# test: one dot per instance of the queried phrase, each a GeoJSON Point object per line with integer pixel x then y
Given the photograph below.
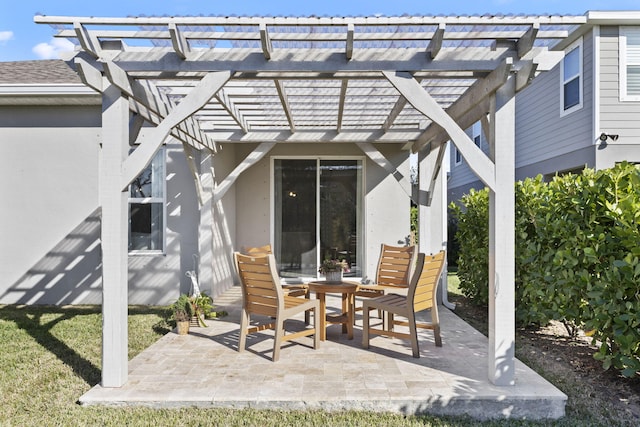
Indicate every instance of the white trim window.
{"type": "Point", "coordinates": [476, 130]}
{"type": "Point", "coordinates": [457, 156]}
{"type": "Point", "coordinates": [629, 63]}
{"type": "Point", "coordinates": [147, 201]}
{"type": "Point", "coordinates": [571, 79]}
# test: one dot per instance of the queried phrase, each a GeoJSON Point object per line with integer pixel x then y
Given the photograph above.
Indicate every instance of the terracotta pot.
{"type": "Point", "coordinates": [183, 327]}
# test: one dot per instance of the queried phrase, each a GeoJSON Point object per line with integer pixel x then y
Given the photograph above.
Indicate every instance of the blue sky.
{"type": "Point", "coordinates": [21, 39]}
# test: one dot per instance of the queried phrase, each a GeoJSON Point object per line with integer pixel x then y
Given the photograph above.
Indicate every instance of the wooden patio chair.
{"type": "Point", "coordinates": [395, 265]}
{"type": "Point", "coordinates": [421, 296]}
{"type": "Point", "coordinates": [291, 289]}
{"type": "Point", "coordinates": [263, 295]}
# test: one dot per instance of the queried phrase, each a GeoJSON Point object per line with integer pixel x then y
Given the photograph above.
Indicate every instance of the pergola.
{"type": "Point", "coordinates": [411, 80]}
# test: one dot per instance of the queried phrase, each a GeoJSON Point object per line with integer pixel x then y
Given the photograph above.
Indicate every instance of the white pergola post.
{"type": "Point", "coordinates": [115, 146]}
{"type": "Point", "coordinates": [205, 228]}
{"type": "Point", "coordinates": [502, 240]}
{"type": "Point", "coordinates": [432, 208]}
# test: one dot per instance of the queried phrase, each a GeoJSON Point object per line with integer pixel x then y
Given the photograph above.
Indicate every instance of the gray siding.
{"type": "Point", "coordinates": [461, 175]}
{"type": "Point", "coordinates": [616, 117]}
{"type": "Point", "coordinates": [541, 133]}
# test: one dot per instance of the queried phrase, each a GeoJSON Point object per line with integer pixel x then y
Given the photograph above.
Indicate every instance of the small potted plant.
{"type": "Point", "coordinates": [183, 311]}
{"type": "Point", "coordinates": [203, 307]}
{"type": "Point", "coordinates": [333, 269]}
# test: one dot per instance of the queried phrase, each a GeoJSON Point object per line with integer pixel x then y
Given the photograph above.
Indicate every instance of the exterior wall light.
{"type": "Point", "coordinates": [604, 136]}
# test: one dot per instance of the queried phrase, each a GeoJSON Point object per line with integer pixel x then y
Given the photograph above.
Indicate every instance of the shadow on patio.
{"type": "Point", "coordinates": [204, 369]}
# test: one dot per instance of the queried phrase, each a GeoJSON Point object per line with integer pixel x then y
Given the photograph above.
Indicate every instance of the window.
{"type": "Point", "coordinates": [476, 129]}
{"type": "Point", "coordinates": [457, 155]}
{"type": "Point", "coordinates": [147, 208]}
{"type": "Point", "coordinates": [317, 215]}
{"type": "Point", "coordinates": [630, 64]}
{"type": "Point", "coordinates": [571, 79]}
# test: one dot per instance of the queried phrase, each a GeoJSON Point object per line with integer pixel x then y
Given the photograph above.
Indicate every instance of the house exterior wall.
{"type": "Point", "coordinates": [50, 250]}
{"type": "Point", "coordinates": [546, 140]}
{"type": "Point", "coordinates": [50, 246]}
{"type": "Point", "coordinates": [386, 204]}
{"type": "Point", "coordinates": [159, 278]}
{"type": "Point", "coordinates": [461, 178]}
{"type": "Point", "coordinates": [49, 223]}
{"type": "Point", "coordinates": [616, 116]}
{"type": "Point", "coordinates": [542, 134]}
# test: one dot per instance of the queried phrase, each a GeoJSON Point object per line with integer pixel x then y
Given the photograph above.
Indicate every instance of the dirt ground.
{"type": "Point", "coordinates": [568, 363]}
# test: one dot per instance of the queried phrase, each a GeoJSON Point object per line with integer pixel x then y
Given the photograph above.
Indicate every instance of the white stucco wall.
{"type": "Point", "coordinates": [49, 250]}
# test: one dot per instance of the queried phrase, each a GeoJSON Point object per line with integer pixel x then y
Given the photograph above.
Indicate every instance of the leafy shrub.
{"type": "Point", "coordinates": [576, 256]}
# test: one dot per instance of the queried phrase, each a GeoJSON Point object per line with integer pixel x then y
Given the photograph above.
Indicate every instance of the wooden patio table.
{"type": "Point", "coordinates": [347, 291]}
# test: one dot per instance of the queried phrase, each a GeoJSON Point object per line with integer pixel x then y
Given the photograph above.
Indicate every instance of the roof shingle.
{"type": "Point", "coordinates": [38, 71]}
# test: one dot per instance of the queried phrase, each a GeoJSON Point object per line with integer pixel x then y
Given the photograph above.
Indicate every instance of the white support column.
{"type": "Point", "coordinates": [502, 240]}
{"type": "Point", "coordinates": [432, 209]}
{"type": "Point", "coordinates": [205, 227]}
{"type": "Point", "coordinates": [115, 146]}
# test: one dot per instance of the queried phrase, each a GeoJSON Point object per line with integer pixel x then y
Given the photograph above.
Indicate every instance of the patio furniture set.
{"type": "Point", "coordinates": [406, 283]}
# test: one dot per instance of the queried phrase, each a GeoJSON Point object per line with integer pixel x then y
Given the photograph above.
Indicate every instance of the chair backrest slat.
{"type": "Point", "coordinates": [424, 284]}
{"type": "Point", "coordinates": [261, 289]}
{"type": "Point", "coordinates": [257, 250]}
{"type": "Point", "coordinates": [395, 265]}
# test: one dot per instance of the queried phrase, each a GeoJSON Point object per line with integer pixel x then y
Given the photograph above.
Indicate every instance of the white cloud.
{"type": "Point", "coordinates": [53, 49]}
{"type": "Point", "coordinates": [5, 36]}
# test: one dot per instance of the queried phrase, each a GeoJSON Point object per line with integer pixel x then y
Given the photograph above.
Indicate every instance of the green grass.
{"type": "Point", "coordinates": [50, 356]}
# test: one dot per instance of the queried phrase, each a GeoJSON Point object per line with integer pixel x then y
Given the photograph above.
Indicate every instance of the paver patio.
{"type": "Point", "coordinates": [204, 369]}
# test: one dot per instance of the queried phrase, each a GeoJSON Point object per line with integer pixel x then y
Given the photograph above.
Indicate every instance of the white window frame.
{"type": "Point", "coordinates": [580, 75]}
{"type": "Point", "coordinates": [361, 218]}
{"type": "Point", "coordinates": [161, 154]}
{"type": "Point", "coordinates": [624, 62]}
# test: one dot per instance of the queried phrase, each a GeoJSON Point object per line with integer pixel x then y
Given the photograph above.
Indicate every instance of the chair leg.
{"type": "Point", "coordinates": [435, 321]}
{"type": "Point", "coordinates": [436, 333]}
{"type": "Point", "coordinates": [244, 324]}
{"type": "Point", "coordinates": [279, 334]}
{"type": "Point", "coordinates": [307, 312]}
{"type": "Point", "coordinates": [316, 327]}
{"type": "Point", "coordinates": [365, 327]}
{"type": "Point", "coordinates": [413, 332]}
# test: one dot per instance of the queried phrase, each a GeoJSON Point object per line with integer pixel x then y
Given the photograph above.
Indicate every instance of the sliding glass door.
{"type": "Point", "coordinates": [317, 211]}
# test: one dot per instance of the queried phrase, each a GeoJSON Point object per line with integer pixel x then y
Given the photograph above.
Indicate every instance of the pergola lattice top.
{"type": "Point", "coordinates": [313, 78]}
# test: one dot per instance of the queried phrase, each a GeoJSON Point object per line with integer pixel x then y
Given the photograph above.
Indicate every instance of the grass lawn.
{"type": "Point", "coordinates": [51, 356]}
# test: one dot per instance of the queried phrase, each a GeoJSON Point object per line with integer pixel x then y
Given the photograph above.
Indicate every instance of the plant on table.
{"type": "Point", "coordinates": [333, 265]}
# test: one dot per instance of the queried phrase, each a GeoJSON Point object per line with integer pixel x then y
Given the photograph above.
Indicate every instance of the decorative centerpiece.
{"type": "Point", "coordinates": [333, 269]}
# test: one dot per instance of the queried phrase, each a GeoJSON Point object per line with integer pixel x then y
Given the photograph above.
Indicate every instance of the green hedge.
{"type": "Point", "coordinates": [577, 249]}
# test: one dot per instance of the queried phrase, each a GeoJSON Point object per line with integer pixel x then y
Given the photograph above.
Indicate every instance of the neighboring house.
{"type": "Point", "coordinates": [50, 249]}
{"type": "Point", "coordinates": [583, 113]}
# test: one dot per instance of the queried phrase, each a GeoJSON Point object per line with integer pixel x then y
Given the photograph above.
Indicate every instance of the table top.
{"type": "Point", "coordinates": [329, 287]}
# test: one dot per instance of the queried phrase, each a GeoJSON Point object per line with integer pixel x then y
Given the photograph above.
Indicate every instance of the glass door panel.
{"type": "Point", "coordinates": [339, 195]}
{"type": "Point", "coordinates": [317, 215]}
{"type": "Point", "coordinates": [295, 217]}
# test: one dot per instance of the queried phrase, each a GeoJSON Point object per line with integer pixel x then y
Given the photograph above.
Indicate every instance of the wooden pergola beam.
{"type": "Point", "coordinates": [191, 103]}
{"type": "Point", "coordinates": [480, 91]}
{"type": "Point", "coordinates": [435, 44]}
{"type": "Point", "coordinates": [178, 41]}
{"type": "Point", "coordinates": [282, 94]}
{"type": "Point", "coordinates": [343, 95]}
{"type": "Point", "coordinates": [423, 102]}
